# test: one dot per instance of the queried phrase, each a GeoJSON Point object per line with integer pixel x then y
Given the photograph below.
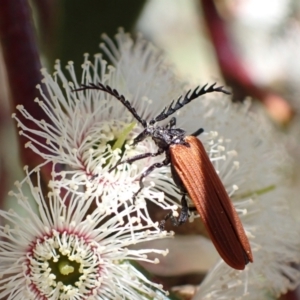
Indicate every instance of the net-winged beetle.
{"type": "Point", "coordinates": [193, 173]}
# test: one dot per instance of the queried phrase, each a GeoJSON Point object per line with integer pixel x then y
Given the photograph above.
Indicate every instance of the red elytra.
{"type": "Point", "coordinates": [212, 202]}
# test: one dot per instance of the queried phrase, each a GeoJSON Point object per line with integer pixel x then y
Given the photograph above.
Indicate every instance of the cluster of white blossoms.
{"type": "Point", "coordinates": [60, 250]}
{"type": "Point", "coordinates": [77, 243]}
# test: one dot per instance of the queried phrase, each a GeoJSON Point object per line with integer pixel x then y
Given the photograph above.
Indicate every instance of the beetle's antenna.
{"type": "Point", "coordinates": [189, 96]}
{"type": "Point", "coordinates": [114, 93]}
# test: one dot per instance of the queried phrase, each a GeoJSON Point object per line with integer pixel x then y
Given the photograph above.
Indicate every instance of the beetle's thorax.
{"type": "Point", "coordinates": [165, 137]}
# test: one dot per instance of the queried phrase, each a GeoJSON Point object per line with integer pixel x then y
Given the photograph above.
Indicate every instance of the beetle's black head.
{"type": "Point", "coordinates": [163, 136]}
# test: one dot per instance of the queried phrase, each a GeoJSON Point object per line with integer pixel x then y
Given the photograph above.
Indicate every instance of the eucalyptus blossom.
{"type": "Point", "coordinates": [61, 250]}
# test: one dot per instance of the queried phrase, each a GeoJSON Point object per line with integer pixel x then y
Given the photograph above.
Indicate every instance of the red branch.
{"type": "Point", "coordinates": [235, 74]}
{"type": "Point", "coordinates": [23, 66]}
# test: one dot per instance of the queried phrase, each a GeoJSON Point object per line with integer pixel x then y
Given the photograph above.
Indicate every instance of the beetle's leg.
{"type": "Point", "coordinates": [183, 216]}
{"type": "Point", "coordinates": [137, 157]}
{"type": "Point", "coordinates": [162, 223]}
{"type": "Point", "coordinates": [184, 213]}
{"type": "Point", "coordinates": [198, 132]}
{"type": "Point", "coordinates": [148, 171]}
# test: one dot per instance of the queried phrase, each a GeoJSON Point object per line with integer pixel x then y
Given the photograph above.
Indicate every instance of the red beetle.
{"type": "Point", "coordinates": [193, 173]}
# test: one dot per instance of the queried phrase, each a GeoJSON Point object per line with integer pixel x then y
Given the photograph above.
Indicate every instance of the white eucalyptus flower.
{"type": "Point", "coordinates": [89, 129]}
{"type": "Point", "coordinates": [60, 251]}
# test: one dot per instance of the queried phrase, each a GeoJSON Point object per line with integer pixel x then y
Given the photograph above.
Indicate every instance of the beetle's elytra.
{"type": "Point", "coordinates": [194, 174]}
